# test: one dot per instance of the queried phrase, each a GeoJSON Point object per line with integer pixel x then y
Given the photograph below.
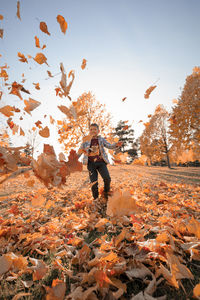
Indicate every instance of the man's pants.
{"type": "Point", "coordinates": [94, 168]}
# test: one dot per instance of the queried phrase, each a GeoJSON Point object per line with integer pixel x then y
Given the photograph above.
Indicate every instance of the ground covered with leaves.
{"type": "Point", "coordinates": [144, 243]}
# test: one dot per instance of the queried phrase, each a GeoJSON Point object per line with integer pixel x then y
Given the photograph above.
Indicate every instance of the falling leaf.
{"type": "Point", "coordinates": [21, 132]}
{"type": "Point", "coordinates": [31, 104]}
{"type": "Point", "coordinates": [84, 61]}
{"type": "Point", "coordinates": [50, 75]}
{"type": "Point", "coordinates": [22, 58]}
{"type": "Point", "coordinates": [1, 33]}
{"type": "Point", "coordinates": [18, 10]}
{"type": "Point", "coordinates": [124, 99]}
{"type": "Point", "coordinates": [65, 110]}
{"type": "Point", "coordinates": [37, 42]}
{"type": "Point", "coordinates": [73, 164]}
{"type": "Point", "coordinates": [7, 110]}
{"type": "Point", "coordinates": [121, 203]}
{"type": "Point", "coordinates": [1, 17]}
{"type": "Point", "coordinates": [37, 86]}
{"type": "Point", "coordinates": [43, 27]}
{"type": "Point", "coordinates": [52, 121]}
{"type": "Point", "coordinates": [44, 132]}
{"type": "Point", "coordinates": [62, 22]}
{"type": "Point", "coordinates": [38, 124]}
{"type": "Point", "coordinates": [149, 91]}
{"type": "Point", "coordinates": [40, 58]}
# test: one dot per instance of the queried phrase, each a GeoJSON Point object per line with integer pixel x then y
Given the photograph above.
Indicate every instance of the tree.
{"type": "Point", "coordinates": [85, 111]}
{"type": "Point", "coordinates": [154, 141]}
{"type": "Point", "coordinates": [185, 117]}
{"type": "Point", "coordinates": [125, 134]}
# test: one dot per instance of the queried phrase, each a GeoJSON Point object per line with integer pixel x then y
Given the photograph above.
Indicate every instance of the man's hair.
{"type": "Point", "coordinates": [94, 124]}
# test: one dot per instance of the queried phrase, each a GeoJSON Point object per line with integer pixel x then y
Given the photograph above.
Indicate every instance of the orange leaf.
{"type": "Point", "coordinates": [57, 292]}
{"type": "Point", "coordinates": [44, 132]}
{"type": "Point", "coordinates": [37, 42]}
{"type": "Point", "coordinates": [37, 85]}
{"type": "Point", "coordinates": [7, 110]}
{"type": "Point", "coordinates": [31, 104]}
{"type": "Point", "coordinates": [1, 33]}
{"type": "Point", "coordinates": [40, 58]}
{"type": "Point", "coordinates": [22, 58]}
{"type": "Point", "coordinates": [21, 132]}
{"type": "Point", "coordinates": [1, 17]}
{"type": "Point", "coordinates": [43, 27]}
{"type": "Point", "coordinates": [196, 290]}
{"type": "Point", "coordinates": [121, 203]}
{"type": "Point", "coordinates": [40, 268]}
{"type": "Point", "coordinates": [83, 64]}
{"type": "Point", "coordinates": [50, 75]}
{"type": "Point", "coordinates": [38, 200]}
{"type": "Point", "coordinates": [38, 124]}
{"type": "Point", "coordinates": [73, 164]}
{"type": "Point", "coordinates": [62, 22]}
{"type": "Point", "coordinates": [31, 183]}
{"type": "Point", "coordinates": [18, 10]}
{"type": "Point", "coordinates": [124, 99]}
{"type": "Point", "coordinates": [149, 91]}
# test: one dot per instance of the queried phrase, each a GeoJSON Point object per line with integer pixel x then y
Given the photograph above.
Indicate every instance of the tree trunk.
{"type": "Point", "coordinates": [168, 162]}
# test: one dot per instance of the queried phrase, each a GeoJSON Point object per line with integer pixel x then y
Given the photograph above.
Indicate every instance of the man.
{"type": "Point", "coordinates": [96, 159]}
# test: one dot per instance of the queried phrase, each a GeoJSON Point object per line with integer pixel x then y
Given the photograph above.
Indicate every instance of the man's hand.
{"type": "Point", "coordinates": [119, 144]}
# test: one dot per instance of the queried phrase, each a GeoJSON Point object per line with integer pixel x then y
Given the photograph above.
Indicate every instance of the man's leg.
{"type": "Point", "coordinates": [93, 174]}
{"type": "Point", "coordinates": [103, 170]}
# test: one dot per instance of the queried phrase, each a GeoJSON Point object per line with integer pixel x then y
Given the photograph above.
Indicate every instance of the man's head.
{"type": "Point", "coordinates": [94, 129]}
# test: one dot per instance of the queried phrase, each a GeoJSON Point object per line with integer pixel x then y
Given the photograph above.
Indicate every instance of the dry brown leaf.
{"type": "Point", "coordinates": [18, 10]}
{"type": "Point", "coordinates": [84, 61]}
{"type": "Point", "coordinates": [121, 203]}
{"type": "Point", "coordinates": [22, 58]}
{"type": "Point", "coordinates": [1, 17]}
{"type": "Point", "coordinates": [57, 291]}
{"type": "Point", "coordinates": [31, 104]}
{"type": "Point", "coordinates": [37, 86]}
{"type": "Point", "coordinates": [7, 110]}
{"type": "Point", "coordinates": [38, 200]}
{"type": "Point", "coordinates": [1, 33]}
{"type": "Point", "coordinates": [40, 268]}
{"type": "Point", "coordinates": [62, 22]}
{"type": "Point", "coordinates": [40, 58]}
{"type": "Point", "coordinates": [149, 91]}
{"type": "Point", "coordinates": [49, 73]}
{"type": "Point", "coordinates": [44, 132]}
{"type": "Point", "coordinates": [43, 28]}
{"type": "Point", "coordinates": [22, 132]}
{"type": "Point", "coordinates": [196, 291]}
{"type": "Point", "coordinates": [37, 42]}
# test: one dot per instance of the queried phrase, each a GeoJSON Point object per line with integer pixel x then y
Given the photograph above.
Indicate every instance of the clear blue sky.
{"type": "Point", "coordinates": [128, 45]}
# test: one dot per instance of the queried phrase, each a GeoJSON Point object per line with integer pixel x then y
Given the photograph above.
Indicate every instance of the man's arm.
{"type": "Point", "coordinates": [111, 146]}
{"type": "Point", "coordinates": [82, 150]}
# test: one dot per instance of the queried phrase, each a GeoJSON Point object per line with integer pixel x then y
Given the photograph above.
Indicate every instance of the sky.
{"type": "Point", "coordinates": [128, 44]}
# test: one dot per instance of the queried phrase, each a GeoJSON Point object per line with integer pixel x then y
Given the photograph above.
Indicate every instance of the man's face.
{"type": "Point", "coordinates": [94, 131]}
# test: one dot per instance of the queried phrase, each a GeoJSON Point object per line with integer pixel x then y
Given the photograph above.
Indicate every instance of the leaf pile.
{"type": "Point", "coordinates": [59, 245]}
